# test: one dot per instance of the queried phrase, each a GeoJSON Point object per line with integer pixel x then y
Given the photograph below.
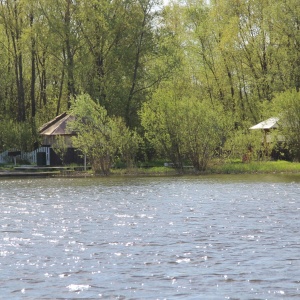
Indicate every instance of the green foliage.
{"type": "Point", "coordinates": [127, 141]}
{"type": "Point", "coordinates": [237, 55]}
{"type": "Point", "coordinates": [287, 105]}
{"type": "Point", "coordinates": [182, 127]}
{"type": "Point", "coordinates": [100, 137]}
{"type": "Point", "coordinates": [60, 147]}
{"type": "Point", "coordinates": [18, 136]}
{"type": "Point", "coordinates": [205, 130]}
{"type": "Point", "coordinates": [244, 144]}
{"type": "Point", "coordinates": [161, 119]}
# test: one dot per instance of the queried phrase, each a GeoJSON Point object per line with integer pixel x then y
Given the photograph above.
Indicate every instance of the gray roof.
{"type": "Point", "coordinates": [57, 126]}
{"type": "Point", "coordinates": [267, 124]}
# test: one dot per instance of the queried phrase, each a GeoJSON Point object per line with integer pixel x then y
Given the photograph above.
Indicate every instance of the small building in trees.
{"type": "Point", "coordinates": [266, 127]}
{"type": "Point", "coordinates": [57, 136]}
{"type": "Point", "coordinates": [55, 128]}
{"type": "Point", "coordinates": [272, 147]}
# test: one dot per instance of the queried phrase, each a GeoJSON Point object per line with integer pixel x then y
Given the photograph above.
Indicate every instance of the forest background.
{"type": "Point", "coordinates": [179, 81]}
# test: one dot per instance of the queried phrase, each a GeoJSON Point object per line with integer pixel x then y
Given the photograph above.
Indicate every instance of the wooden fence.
{"type": "Point", "coordinates": [30, 157]}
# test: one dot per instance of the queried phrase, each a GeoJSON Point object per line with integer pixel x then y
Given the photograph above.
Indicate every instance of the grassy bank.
{"type": "Point", "coordinates": [217, 167]}
{"type": "Point", "coordinates": [255, 167]}
{"type": "Point", "coordinates": [145, 171]}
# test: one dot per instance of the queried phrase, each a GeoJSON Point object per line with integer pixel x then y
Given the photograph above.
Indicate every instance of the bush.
{"type": "Point", "coordinates": [287, 105]}
{"type": "Point", "coordinates": [100, 137]}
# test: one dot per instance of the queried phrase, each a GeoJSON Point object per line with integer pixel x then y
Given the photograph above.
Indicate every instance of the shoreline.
{"type": "Point", "coordinates": [227, 168]}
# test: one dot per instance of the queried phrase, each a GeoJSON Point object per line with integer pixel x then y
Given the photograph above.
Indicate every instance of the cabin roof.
{"type": "Point", "coordinates": [57, 126]}
{"type": "Point", "coordinates": [267, 124]}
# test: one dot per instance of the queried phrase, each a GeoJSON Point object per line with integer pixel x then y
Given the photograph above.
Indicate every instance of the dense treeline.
{"type": "Point", "coordinates": [53, 50]}
{"type": "Point", "coordinates": [160, 69]}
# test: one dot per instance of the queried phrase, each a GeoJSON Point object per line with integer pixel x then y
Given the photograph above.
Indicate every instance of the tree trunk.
{"type": "Point", "coordinates": [69, 54]}
{"type": "Point", "coordinates": [33, 71]}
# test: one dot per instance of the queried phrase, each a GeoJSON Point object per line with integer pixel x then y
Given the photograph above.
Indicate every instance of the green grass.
{"type": "Point", "coordinates": [144, 171]}
{"type": "Point", "coordinates": [255, 167]}
{"type": "Point", "coordinates": [6, 167]}
{"type": "Point", "coordinates": [215, 167]}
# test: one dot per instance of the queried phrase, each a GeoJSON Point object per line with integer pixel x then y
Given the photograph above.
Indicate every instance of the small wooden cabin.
{"type": "Point", "coordinates": [58, 127]}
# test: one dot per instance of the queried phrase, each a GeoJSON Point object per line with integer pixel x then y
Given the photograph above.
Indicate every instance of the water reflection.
{"type": "Point", "coordinates": [211, 237]}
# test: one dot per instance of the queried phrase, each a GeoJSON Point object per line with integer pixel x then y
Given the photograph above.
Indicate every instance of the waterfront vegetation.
{"type": "Point", "coordinates": [157, 168]}
{"type": "Point", "coordinates": [217, 167]}
{"type": "Point", "coordinates": [146, 81]}
{"type": "Point", "coordinates": [238, 167]}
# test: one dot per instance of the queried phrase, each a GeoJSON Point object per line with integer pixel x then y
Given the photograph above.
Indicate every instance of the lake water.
{"type": "Point", "coordinates": [210, 237]}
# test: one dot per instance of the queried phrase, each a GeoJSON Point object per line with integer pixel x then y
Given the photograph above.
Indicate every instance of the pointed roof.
{"type": "Point", "coordinates": [57, 126]}
{"type": "Point", "coordinates": [267, 124]}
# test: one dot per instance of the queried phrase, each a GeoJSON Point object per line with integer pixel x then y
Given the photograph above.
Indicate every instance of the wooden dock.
{"type": "Point", "coordinates": [32, 171]}
{"type": "Point", "coordinates": [27, 174]}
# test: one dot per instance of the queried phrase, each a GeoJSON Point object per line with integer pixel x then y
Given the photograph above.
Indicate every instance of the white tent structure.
{"type": "Point", "coordinates": [266, 127]}
{"type": "Point", "coordinates": [271, 123]}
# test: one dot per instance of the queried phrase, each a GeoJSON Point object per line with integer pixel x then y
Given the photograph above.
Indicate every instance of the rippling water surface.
{"type": "Point", "coordinates": [218, 237]}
